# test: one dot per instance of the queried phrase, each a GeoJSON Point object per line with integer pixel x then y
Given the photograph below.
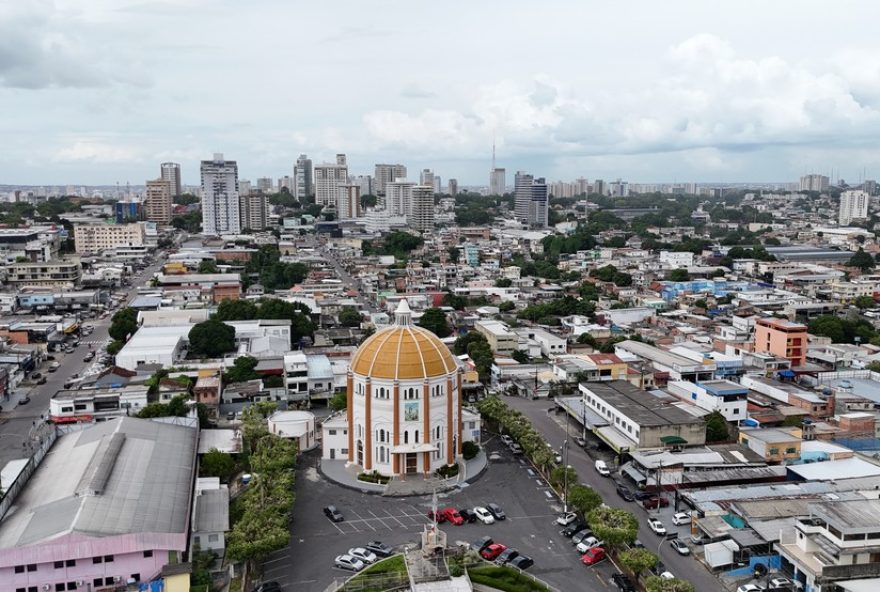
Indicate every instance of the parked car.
{"type": "Point", "coordinates": [491, 552]}
{"type": "Point", "coordinates": [580, 442]}
{"type": "Point", "coordinates": [680, 547]}
{"type": "Point", "coordinates": [468, 515]}
{"type": "Point", "coordinates": [624, 492]}
{"type": "Point", "coordinates": [593, 556]}
{"type": "Point", "coordinates": [521, 562]}
{"type": "Point", "coordinates": [481, 544]}
{"type": "Point", "coordinates": [506, 556]}
{"type": "Point", "coordinates": [656, 526]}
{"type": "Point", "coordinates": [643, 495]}
{"type": "Point", "coordinates": [452, 515]}
{"type": "Point", "coordinates": [698, 538]}
{"type": "Point", "coordinates": [50, 358]}
{"type": "Point", "coordinates": [268, 587]}
{"type": "Point", "coordinates": [36, 375]}
{"type": "Point", "coordinates": [42, 380]}
{"type": "Point", "coordinates": [588, 543]}
{"type": "Point", "coordinates": [506, 440]}
{"type": "Point", "coordinates": [566, 519]}
{"type": "Point", "coordinates": [496, 511]}
{"type": "Point", "coordinates": [602, 468]}
{"type": "Point", "coordinates": [516, 448]}
{"type": "Point", "coordinates": [379, 549]}
{"type": "Point", "coordinates": [24, 400]}
{"type": "Point", "coordinates": [749, 588]}
{"type": "Point", "coordinates": [623, 583]}
{"type": "Point", "coordinates": [782, 583]}
{"type": "Point", "coordinates": [484, 515]}
{"type": "Point", "coordinates": [367, 557]}
{"type": "Point", "coordinates": [440, 518]}
{"type": "Point", "coordinates": [579, 537]}
{"type": "Point", "coordinates": [658, 568]}
{"type": "Point", "coordinates": [680, 518]}
{"type": "Point", "coordinates": [348, 562]}
{"type": "Point", "coordinates": [652, 503]}
{"type": "Point", "coordinates": [573, 529]}
{"type": "Point", "coordinates": [333, 514]}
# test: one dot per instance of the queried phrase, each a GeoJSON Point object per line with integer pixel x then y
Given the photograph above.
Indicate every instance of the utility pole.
{"type": "Point", "coordinates": [565, 475]}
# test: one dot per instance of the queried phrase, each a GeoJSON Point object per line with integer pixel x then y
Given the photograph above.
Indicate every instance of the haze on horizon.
{"type": "Point", "coordinates": [102, 91]}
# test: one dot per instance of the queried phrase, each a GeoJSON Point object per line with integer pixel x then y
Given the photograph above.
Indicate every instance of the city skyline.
{"type": "Point", "coordinates": [694, 101]}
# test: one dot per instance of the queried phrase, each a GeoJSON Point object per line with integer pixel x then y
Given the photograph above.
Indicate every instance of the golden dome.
{"type": "Point", "coordinates": [403, 351]}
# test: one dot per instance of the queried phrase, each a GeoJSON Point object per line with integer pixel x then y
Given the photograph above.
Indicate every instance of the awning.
{"type": "Point", "coordinates": [633, 473]}
{"type": "Point", "coordinates": [617, 441]}
{"type": "Point", "coordinates": [673, 440]}
{"type": "Point", "coordinates": [410, 448]}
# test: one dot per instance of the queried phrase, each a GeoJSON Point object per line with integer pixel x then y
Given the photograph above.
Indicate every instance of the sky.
{"type": "Point", "coordinates": [101, 91]}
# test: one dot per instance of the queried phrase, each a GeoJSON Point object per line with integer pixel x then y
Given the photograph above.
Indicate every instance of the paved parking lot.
{"type": "Point", "coordinates": [530, 527]}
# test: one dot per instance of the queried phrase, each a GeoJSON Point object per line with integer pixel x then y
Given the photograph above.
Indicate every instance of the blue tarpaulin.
{"type": "Point", "coordinates": [786, 374]}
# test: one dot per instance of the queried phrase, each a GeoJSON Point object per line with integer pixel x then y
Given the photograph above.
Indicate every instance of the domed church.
{"type": "Point", "coordinates": [404, 401]}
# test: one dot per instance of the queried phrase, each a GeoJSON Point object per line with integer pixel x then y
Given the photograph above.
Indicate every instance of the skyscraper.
{"type": "Point", "coordinates": [171, 175]}
{"type": "Point", "coordinates": [254, 211]}
{"type": "Point", "coordinates": [426, 177]}
{"type": "Point", "coordinates": [265, 184]}
{"type": "Point", "coordinates": [452, 187]}
{"type": "Point", "coordinates": [348, 201]}
{"type": "Point", "coordinates": [328, 177]}
{"type": "Point", "coordinates": [220, 198]}
{"type": "Point", "coordinates": [421, 211]}
{"type": "Point", "coordinates": [814, 183]}
{"type": "Point", "coordinates": [853, 206]}
{"type": "Point", "coordinates": [157, 201]}
{"type": "Point", "coordinates": [497, 182]}
{"type": "Point", "coordinates": [530, 200]}
{"type": "Point", "coordinates": [302, 172]}
{"type": "Point", "coordinates": [387, 173]}
{"type": "Point", "coordinates": [398, 197]}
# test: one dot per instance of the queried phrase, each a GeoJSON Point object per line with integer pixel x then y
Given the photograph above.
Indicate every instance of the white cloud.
{"type": "Point", "coordinates": [96, 152]}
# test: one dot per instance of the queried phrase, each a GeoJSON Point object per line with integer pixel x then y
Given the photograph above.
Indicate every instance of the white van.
{"type": "Point", "coordinates": [602, 468]}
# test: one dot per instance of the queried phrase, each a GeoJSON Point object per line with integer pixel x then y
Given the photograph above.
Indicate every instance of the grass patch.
{"type": "Point", "coordinates": [505, 578]}
{"type": "Point", "coordinates": [380, 576]}
{"type": "Point", "coordinates": [373, 477]}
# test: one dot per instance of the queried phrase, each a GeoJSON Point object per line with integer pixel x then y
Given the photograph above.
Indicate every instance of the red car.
{"type": "Point", "coordinates": [652, 503]}
{"type": "Point", "coordinates": [593, 556]}
{"type": "Point", "coordinates": [441, 516]}
{"type": "Point", "coordinates": [493, 551]}
{"type": "Point", "coordinates": [452, 516]}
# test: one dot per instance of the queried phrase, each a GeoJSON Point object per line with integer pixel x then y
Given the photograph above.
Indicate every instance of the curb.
{"type": "Point", "coordinates": [347, 485]}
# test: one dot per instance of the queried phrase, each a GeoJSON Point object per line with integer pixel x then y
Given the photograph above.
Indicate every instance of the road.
{"type": "Point", "coordinates": [22, 425]}
{"type": "Point", "coordinates": [553, 431]}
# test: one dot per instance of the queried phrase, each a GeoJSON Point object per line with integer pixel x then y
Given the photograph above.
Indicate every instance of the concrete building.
{"type": "Point", "coordinates": [501, 339]}
{"type": "Point", "coordinates": [170, 173]}
{"type": "Point", "coordinates": [294, 425]}
{"type": "Point", "coordinates": [772, 444]}
{"type": "Point", "coordinates": [531, 200]}
{"type": "Point", "coordinates": [154, 345]}
{"type": "Point", "coordinates": [34, 244]}
{"type": "Point", "coordinates": [853, 206]}
{"type": "Point", "coordinates": [157, 201]}
{"type": "Point", "coordinates": [254, 211]}
{"type": "Point", "coordinates": [398, 197]}
{"type": "Point", "coordinates": [426, 177]}
{"type": "Point", "coordinates": [814, 183]}
{"type": "Point", "coordinates": [54, 274]}
{"type": "Point", "coordinates": [421, 211]}
{"type": "Point", "coordinates": [675, 366]}
{"type": "Point", "coordinates": [497, 181]}
{"type": "Point", "coordinates": [109, 507]}
{"type": "Point", "coordinates": [302, 174]}
{"type": "Point", "coordinates": [220, 197]}
{"type": "Point", "coordinates": [94, 405]}
{"type": "Point", "coordinates": [94, 238]}
{"type": "Point", "coordinates": [728, 398]}
{"type": "Point", "coordinates": [328, 178]}
{"type": "Point", "coordinates": [265, 184]}
{"type": "Point", "coordinates": [210, 515]}
{"type": "Point", "coordinates": [452, 187]}
{"type": "Point", "coordinates": [387, 173]}
{"type": "Point", "coordinates": [348, 201]}
{"type": "Point", "coordinates": [783, 339]}
{"type": "Point", "coordinates": [550, 345]}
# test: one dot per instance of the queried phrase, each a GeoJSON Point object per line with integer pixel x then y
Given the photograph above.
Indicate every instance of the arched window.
{"type": "Point", "coordinates": [406, 437]}
{"type": "Point", "coordinates": [416, 441]}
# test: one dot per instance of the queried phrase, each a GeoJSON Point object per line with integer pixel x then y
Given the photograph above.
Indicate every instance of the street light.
{"type": "Point", "coordinates": [565, 476]}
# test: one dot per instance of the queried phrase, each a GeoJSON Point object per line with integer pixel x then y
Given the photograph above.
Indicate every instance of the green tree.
{"type": "Point", "coordinates": [583, 499]}
{"type": "Point", "coordinates": [862, 260]}
{"type": "Point", "coordinates": [208, 266]}
{"type": "Point", "coordinates": [114, 346]}
{"type": "Point", "coordinates": [587, 339]}
{"type": "Point", "coordinates": [338, 402]}
{"type": "Point", "coordinates": [864, 302]}
{"type": "Point", "coordinates": [614, 526]}
{"type": "Point", "coordinates": [638, 560]}
{"type": "Point", "coordinates": [678, 275]}
{"type": "Point", "coordinates": [874, 366]}
{"type": "Point", "coordinates": [217, 464]}
{"type": "Point", "coordinates": [460, 347]}
{"type": "Point", "coordinates": [236, 310]}
{"type": "Point", "coordinates": [558, 476]}
{"type": "Point", "coordinates": [503, 282]}
{"type": "Point", "coordinates": [521, 356]}
{"type": "Point", "coordinates": [123, 324]}
{"type": "Point", "coordinates": [454, 254]}
{"type": "Point", "coordinates": [716, 427]}
{"type": "Point", "coordinates": [350, 317]}
{"type": "Point", "coordinates": [658, 584]}
{"type": "Point", "coordinates": [434, 320]}
{"type": "Point", "coordinates": [242, 370]}
{"type": "Point", "coordinates": [211, 338]}
{"type": "Point", "coordinates": [506, 306]}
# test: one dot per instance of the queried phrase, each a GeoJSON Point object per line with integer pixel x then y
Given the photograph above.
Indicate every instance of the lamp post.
{"type": "Point", "coordinates": [565, 476]}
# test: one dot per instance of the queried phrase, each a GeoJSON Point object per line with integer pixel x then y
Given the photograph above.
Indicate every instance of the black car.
{"type": "Point", "coordinates": [624, 492]}
{"type": "Point", "coordinates": [623, 583]}
{"type": "Point", "coordinates": [36, 375]}
{"type": "Point", "coordinates": [333, 514]}
{"type": "Point", "coordinates": [658, 568]}
{"type": "Point", "coordinates": [42, 380]}
{"type": "Point", "coordinates": [506, 556]}
{"type": "Point", "coordinates": [268, 587]}
{"type": "Point", "coordinates": [481, 544]}
{"type": "Point", "coordinates": [468, 515]}
{"type": "Point", "coordinates": [521, 562]}
{"type": "Point", "coordinates": [496, 511]}
{"type": "Point", "coordinates": [574, 528]}
{"type": "Point", "coordinates": [643, 495]}
{"type": "Point", "coordinates": [379, 548]}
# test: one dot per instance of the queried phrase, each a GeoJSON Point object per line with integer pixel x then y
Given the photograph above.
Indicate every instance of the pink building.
{"type": "Point", "coordinates": [109, 505]}
{"type": "Point", "coordinates": [783, 339]}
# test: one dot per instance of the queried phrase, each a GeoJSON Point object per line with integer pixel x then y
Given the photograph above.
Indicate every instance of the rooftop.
{"type": "Point", "coordinates": [640, 406]}
{"type": "Point", "coordinates": [849, 515]}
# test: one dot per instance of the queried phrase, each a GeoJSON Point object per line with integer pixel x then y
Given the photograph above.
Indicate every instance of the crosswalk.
{"type": "Point", "coordinates": [95, 342]}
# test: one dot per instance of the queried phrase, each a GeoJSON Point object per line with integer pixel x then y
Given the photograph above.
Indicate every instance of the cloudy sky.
{"type": "Point", "coordinates": [100, 91]}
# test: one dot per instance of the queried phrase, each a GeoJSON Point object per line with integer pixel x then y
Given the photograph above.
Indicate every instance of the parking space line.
{"type": "Point", "coordinates": [540, 483]}
{"type": "Point", "coordinates": [381, 520]}
{"type": "Point", "coordinates": [395, 518]}
{"type": "Point", "coordinates": [336, 526]}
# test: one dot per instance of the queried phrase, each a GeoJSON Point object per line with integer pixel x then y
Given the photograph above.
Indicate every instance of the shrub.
{"type": "Point", "coordinates": [469, 450]}
{"type": "Point", "coordinates": [447, 471]}
{"type": "Point", "coordinates": [373, 477]}
{"type": "Point", "coordinates": [505, 578]}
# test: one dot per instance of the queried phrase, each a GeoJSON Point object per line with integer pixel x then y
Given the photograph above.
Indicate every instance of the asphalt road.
{"type": "Point", "coordinates": [553, 428]}
{"type": "Point", "coordinates": [20, 425]}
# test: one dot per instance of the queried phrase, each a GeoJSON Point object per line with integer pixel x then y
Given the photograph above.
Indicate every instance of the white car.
{"type": "Point", "coordinates": [484, 515]}
{"type": "Point", "coordinates": [680, 547]}
{"type": "Point", "coordinates": [749, 588]}
{"type": "Point", "coordinates": [506, 440]}
{"type": "Point", "coordinates": [784, 583]}
{"type": "Point", "coordinates": [681, 518]}
{"type": "Point", "coordinates": [587, 544]}
{"type": "Point", "coordinates": [566, 519]}
{"type": "Point", "coordinates": [348, 562]}
{"type": "Point", "coordinates": [367, 557]}
{"type": "Point", "coordinates": [656, 526]}
{"type": "Point", "coordinates": [667, 575]}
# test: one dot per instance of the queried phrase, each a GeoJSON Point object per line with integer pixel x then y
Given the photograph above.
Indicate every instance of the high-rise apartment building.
{"type": "Point", "coordinates": [287, 182]}
{"type": "Point", "coordinates": [266, 184]}
{"type": "Point", "coordinates": [302, 173]}
{"type": "Point", "coordinates": [365, 182]}
{"type": "Point", "coordinates": [426, 177]}
{"type": "Point", "coordinates": [600, 187]}
{"type": "Point", "coordinates": [94, 238]}
{"type": "Point", "coordinates": [398, 197]}
{"type": "Point", "coordinates": [497, 182]}
{"type": "Point", "coordinates": [254, 211]}
{"type": "Point", "coordinates": [348, 201]}
{"type": "Point", "coordinates": [452, 187]}
{"type": "Point", "coordinates": [220, 198]}
{"type": "Point", "coordinates": [531, 200]}
{"type": "Point", "coordinates": [853, 206]}
{"type": "Point", "coordinates": [387, 173]}
{"type": "Point", "coordinates": [157, 201]}
{"type": "Point", "coordinates": [327, 179]}
{"type": "Point", "coordinates": [171, 175]}
{"type": "Point", "coordinates": [814, 183]}
{"type": "Point", "coordinates": [421, 210]}
{"type": "Point", "coordinates": [438, 184]}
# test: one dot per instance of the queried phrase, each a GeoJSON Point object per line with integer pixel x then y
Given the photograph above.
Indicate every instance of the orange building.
{"type": "Point", "coordinates": [782, 339]}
